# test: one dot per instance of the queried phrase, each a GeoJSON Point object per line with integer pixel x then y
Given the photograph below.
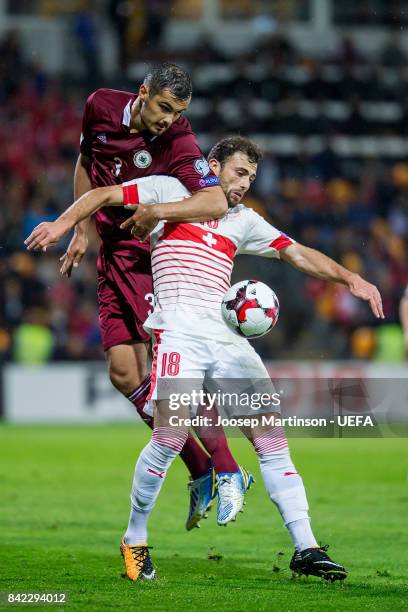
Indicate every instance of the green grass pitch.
{"type": "Point", "coordinates": [64, 507]}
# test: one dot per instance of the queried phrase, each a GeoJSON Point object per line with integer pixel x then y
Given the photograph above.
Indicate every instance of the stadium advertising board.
{"type": "Point", "coordinates": [82, 393]}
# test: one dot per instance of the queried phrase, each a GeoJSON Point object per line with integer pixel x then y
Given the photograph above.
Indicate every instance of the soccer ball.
{"type": "Point", "coordinates": [250, 308]}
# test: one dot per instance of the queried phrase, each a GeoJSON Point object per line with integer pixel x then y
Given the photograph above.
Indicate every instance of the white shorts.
{"type": "Point", "coordinates": [183, 363]}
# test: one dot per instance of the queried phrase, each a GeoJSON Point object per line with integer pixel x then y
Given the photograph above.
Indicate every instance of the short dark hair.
{"type": "Point", "coordinates": [171, 77]}
{"type": "Point", "coordinates": [226, 147]}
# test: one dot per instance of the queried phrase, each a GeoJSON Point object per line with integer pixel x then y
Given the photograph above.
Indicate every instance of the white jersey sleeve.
{"type": "Point", "coordinates": [262, 238]}
{"type": "Point", "coordinates": [153, 190]}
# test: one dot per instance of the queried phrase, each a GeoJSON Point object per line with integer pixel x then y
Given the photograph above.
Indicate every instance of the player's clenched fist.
{"type": "Point", "coordinates": [45, 235]}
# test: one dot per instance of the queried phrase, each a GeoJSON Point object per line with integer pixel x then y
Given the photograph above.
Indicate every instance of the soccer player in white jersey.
{"type": "Point", "coordinates": [192, 264]}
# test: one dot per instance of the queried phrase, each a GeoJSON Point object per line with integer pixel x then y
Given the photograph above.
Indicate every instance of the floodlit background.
{"type": "Point", "coordinates": [321, 85]}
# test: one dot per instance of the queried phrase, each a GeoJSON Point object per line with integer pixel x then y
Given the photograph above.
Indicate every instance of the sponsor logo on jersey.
{"type": "Point", "coordinates": [102, 138]}
{"type": "Point", "coordinates": [209, 181]}
{"type": "Point", "coordinates": [142, 159]}
{"type": "Point", "coordinates": [201, 166]}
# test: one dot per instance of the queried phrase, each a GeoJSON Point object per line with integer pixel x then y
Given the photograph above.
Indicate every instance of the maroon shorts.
{"type": "Point", "coordinates": [125, 296]}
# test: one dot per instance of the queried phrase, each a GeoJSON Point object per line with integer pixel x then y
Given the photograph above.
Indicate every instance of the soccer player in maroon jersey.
{"type": "Point", "coordinates": [127, 136]}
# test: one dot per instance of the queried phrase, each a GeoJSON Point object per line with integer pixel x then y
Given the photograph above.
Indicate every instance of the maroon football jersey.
{"type": "Point", "coordinates": [118, 156]}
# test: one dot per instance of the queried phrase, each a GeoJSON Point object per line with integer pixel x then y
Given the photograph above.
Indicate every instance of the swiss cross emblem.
{"type": "Point", "coordinates": [209, 239]}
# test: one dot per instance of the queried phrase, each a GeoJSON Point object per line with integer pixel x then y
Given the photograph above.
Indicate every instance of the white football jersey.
{"type": "Point", "coordinates": [192, 262]}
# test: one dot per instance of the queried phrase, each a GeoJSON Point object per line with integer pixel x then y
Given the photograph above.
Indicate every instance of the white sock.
{"type": "Point", "coordinates": [301, 534]}
{"type": "Point", "coordinates": [136, 532]}
{"type": "Point", "coordinates": [286, 490]}
{"type": "Point", "coordinates": [150, 471]}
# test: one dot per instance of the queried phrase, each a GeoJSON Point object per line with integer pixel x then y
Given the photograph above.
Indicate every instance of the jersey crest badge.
{"type": "Point", "coordinates": [142, 159]}
{"type": "Point", "coordinates": [102, 138]}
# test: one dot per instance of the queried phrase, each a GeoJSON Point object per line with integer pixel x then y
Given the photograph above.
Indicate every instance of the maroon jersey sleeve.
{"type": "Point", "coordinates": [188, 164]}
{"type": "Point", "coordinates": [96, 118]}
{"type": "Point", "coordinates": [87, 120]}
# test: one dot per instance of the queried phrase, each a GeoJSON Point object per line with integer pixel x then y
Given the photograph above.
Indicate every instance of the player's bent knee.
{"type": "Point", "coordinates": [126, 370]}
{"type": "Point", "coordinates": [125, 380]}
{"type": "Point", "coordinates": [120, 379]}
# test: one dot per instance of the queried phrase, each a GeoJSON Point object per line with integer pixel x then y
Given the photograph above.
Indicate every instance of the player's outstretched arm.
{"type": "Point", "coordinates": [47, 234]}
{"type": "Point", "coordinates": [207, 203]}
{"type": "Point", "coordinates": [319, 265]}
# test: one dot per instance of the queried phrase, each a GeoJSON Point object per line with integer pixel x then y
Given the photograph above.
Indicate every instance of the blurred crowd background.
{"type": "Point", "coordinates": [331, 114]}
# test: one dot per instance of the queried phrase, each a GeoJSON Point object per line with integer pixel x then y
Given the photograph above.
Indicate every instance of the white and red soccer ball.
{"type": "Point", "coordinates": [250, 308]}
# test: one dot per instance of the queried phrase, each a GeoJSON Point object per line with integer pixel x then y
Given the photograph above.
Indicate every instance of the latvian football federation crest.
{"type": "Point", "coordinates": [142, 159]}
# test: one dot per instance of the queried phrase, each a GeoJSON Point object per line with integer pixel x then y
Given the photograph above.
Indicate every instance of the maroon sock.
{"type": "Point", "coordinates": [195, 458]}
{"type": "Point", "coordinates": [215, 443]}
{"type": "Point", "coordinates": [138, 398]}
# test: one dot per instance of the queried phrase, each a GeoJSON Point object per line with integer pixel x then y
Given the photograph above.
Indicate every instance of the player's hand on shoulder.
{"type": "Point", "coordinates": [45, 235]}
{"type": "Point", "coordinates": [74, 253]}
{"type": "Point", "coordinates": [364, 290]}
{"type": "Point", "coordinates": [142, 222]}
